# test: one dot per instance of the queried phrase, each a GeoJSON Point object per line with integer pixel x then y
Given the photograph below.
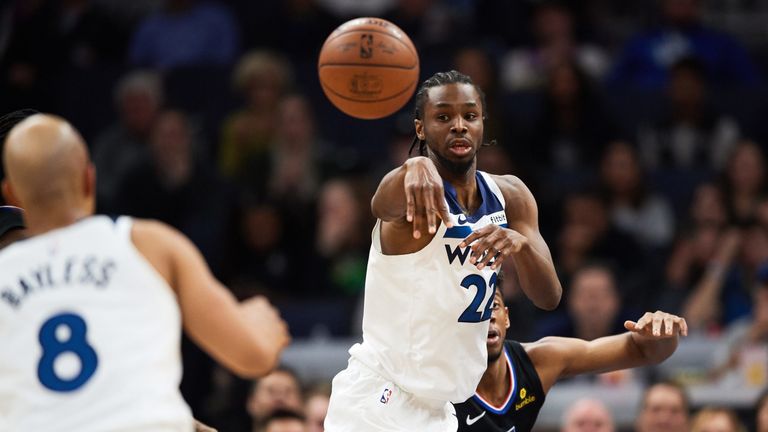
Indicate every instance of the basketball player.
{"type": "Point", "coordinates": [518, 376]}
{"type": "Point", "coordinates": [91, 308]}
{"type": "Point", "coordinates": [443, 229]}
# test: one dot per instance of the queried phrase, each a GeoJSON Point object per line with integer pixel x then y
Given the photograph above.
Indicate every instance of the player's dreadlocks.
{"type": "Point", "coordinates": [437, 80]}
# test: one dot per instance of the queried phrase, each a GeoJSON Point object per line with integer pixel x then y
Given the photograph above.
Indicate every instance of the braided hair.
{"type": "Point", "coordinates": [437, 80]}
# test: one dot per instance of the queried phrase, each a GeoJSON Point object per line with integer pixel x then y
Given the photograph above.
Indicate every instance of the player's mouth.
{"type": "Point", "coordinates": [460, 147]}
{"type": "Point", "coordinates": [493, 336]}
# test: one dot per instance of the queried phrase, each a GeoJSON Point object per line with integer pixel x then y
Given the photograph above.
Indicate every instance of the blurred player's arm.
{"type": "Point", "coordinates": [412, 193]}
{"type": "Point", "coordinates": [245, 337]}
{"type": "Point", "coordinates": [531, 255]}
{"type": "Point", "coordinates": [650, 340]}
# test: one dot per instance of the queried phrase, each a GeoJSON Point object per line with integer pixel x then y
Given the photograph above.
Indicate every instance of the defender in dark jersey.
{"type": "Point", "coordinates": [518, 377]}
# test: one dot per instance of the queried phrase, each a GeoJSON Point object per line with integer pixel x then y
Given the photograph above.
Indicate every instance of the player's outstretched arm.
{"type": "Point", "coordinates": [650, 340]}
{"type": "Point", "coordinates": [412, 193]}
{"type": "Point", "coordinates": [245, 337]}
{"type": "Point", "coordinates": [523, 242]}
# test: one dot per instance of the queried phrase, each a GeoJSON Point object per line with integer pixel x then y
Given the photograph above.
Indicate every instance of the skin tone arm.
{"type": "Point", "coordinates": [523, 242]}
{"type": "Point", "coordinates": [650, 340]}
{"type": "Point", "coordinates": [245, 337]}
{"type": "Point", "coordinates": [410, 202]}
{"type": "Point", "coordinates": [703, 305]}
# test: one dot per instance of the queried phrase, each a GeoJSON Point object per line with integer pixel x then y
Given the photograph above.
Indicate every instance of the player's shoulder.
{"type": "Point", "coordinates": [511, 185]}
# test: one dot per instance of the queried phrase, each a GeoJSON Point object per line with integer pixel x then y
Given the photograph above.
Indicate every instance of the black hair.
{"type": "Point", "coordinates": [281, 414]}
{"type": "Point", "coordinates": [438, 80]}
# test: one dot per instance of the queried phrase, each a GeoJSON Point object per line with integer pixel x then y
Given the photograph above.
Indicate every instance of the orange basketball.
{"type": "Point", "coordinates": [368, 68]}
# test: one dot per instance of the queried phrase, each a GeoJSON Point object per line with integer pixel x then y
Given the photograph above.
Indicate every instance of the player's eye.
{"type": "Point", "coordinates": [496, 305]}
{"type": "Point", "coordinates": [471, 116]}
{"type": "Point", "coordinates": [442, 117]}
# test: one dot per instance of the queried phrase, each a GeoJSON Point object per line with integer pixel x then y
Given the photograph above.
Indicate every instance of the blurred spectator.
{"type": "Point", "coordinates": [573, 128]}
{"type": "Point", "coordinates": [316, 407]}
{"type": "Point", "coordinates": [691, 136]}
{"type": "Point", "coordinates": [587, 234]}
{"type": "Point", "coordinates": [431, 24]}
{"type": "Point", "coordinates": [587, 415]}
{"type": "Point", "coordinates": [665, 408]}
{"type": "Point", "coordinates": [716, 420]}
{"type": "Point", "coordinates": [262, 78]}
{"type": "Point", "coordinates": [342, 243]}
{"type": "Point", "coordinates": [555, 44]}
{"type": "Point", "coordinates": [481, 67]}
{"type": "Point", "coordinates": [283, 420]}
{"type": "Point", "coordinates": [280, 390]}
{"type": "Point", "coordinates": [593, 307]}
{"type": "Point", "coordinates": [745, 354]}
{"type": "Point", "coordinates": [186, 33]}
{"type": "Point", "coordinates": [744, 182]}
{"type": "Point", "coordinates": [138, 99]}
{"type": "Point", "coordinates": [761, 413]}
{"type": "Point", "coordinates": [176, 188]}
{"type": "Point", "coordinates": [645, 60]}
{"type": "Point", "coordinates": [634, 209]}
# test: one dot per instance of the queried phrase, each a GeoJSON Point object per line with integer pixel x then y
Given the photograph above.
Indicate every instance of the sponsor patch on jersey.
{"type": "Point", "coordinates": [523, 393]}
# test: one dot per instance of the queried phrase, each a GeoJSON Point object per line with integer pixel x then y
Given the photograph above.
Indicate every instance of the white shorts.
{"type": "Point", "coordinates": [364, 401]}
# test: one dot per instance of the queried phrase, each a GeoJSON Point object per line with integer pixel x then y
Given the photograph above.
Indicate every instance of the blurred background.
{"type": "Point", "coordinates": [639, 125]}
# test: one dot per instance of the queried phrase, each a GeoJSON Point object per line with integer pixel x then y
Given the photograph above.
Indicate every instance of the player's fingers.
{"type": "Point", "coordinates": [657, 324]}
{"type": "Point", "coordinates": [474, 235]}
{"type": "Point", "coordinates": [410, 204]}
{"type": "Point", "coordinates": [643, 321]}
{"type": "Point", "coordinates": [669, 325]}
{"type": "Point", "coordinates": [683, 327]}
{"type": "Point", "coordinates": [431, 212]}
{"type": "Point", "coordinates": [630, 325]}
{"type": "Point", "coordinates": [442, 208]}
{"type": "Point", "coordinates": [418, 215]}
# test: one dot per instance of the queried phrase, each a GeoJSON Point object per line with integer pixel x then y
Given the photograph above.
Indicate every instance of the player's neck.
{"type": "Point", "coordinates": [40, 222]}
{"type": "Point", "coordinates": [494, 385]}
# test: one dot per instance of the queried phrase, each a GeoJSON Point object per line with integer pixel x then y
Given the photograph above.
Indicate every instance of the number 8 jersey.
{"type": "Point", "coordinates": [90, 334]}
{"type": "Point", "coordinates": [426, 314]}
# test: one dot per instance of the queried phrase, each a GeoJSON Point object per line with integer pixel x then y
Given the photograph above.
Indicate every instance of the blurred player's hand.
{"type": "Point", "coordinates": [262, 315]}
{"type": "Point", "coordinates": [659, 325]}
{"type": "Point", "coordinates": [493, 243]}
{"type": "Point", "coordinates": [424, 197]}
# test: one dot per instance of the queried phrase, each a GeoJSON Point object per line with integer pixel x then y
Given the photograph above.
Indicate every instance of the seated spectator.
{"type": "Point", "coordinates": [594, 307]}
{"type": "Point", "coordinates": [587, 415]}
{"type": "Point", "coordinates": [744, 182]}
{"type": "Point", "coordinates": [138, 99]}
{"type": "Point", "coordinates": [634, 209]}
{"type": "Point", "coordinates": [185, 33]}
{"type": "Point", "coordinates": [664, 408]}
{"type": "Point", "coordinates": [280, 390]}
{"type": "Point", "coordinates": [262, 79]}
{"type": "Point", "coordinates": [646, 58]}
{"type": "Point", "coordinates": [316, 407]}
{"type": "Point", "coordinates": [716, 420]}
{"type": "Point", "coordinates": [554, 44]}
{"type": "Point", "coordinates": [283, 420]}
{"type": "Point", "coordinates": [690, 136]}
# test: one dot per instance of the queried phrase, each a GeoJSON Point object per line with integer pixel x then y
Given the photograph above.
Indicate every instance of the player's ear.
{"type": "Point", "coordinates": [506, 317]}
{"type": "Point", "coordinates": [419, 125]}
{"type": "Point", "coordinates": [8, 195]}
{"type": "Point", "coordinates": [90, 180]}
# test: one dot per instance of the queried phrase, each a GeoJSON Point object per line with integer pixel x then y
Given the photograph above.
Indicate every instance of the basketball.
{"type": "Point", "coordinates": [368, 68]}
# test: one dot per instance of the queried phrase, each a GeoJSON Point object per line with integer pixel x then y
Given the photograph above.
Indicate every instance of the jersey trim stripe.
{"type": "Point", "coordinates": [512, 391]}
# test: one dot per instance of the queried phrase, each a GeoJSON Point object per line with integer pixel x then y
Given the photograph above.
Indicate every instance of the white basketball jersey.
{"type": "Point", "coordinates": [426, 314]}
{"type": "Point", "coordinates": [90, 335]}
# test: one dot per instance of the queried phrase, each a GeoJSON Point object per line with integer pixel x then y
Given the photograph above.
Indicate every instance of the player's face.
{"type": "Point", "coordinates": [452, 125]}
{"type": "Point", "coordinates": [497, 330]}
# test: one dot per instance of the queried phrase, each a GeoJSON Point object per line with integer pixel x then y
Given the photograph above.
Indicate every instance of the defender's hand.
{"type": "Point", "coordinates": [493, 242]}
{"type": "Point", "coordinates": [262, 315]}
{"type": "Point", "coordinates": [660, 325]}
{"type": "Point", "coordinates": [424, 197]}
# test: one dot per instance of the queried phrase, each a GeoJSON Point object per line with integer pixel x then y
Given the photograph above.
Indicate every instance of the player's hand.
{"type": "Point", "coordinates": [660, 325]}
{"type": "Point", "coordinates": [493, 242]}
{"type": "Point", "coordinates": [262, 315]}
{"type": "Point", "coordinates": [424, 198]}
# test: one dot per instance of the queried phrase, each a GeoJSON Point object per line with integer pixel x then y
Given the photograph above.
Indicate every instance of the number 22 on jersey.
{"type": "Point", "coordinates": [54, 345]}
{"type": "Point", "coordinates": [473, 313]}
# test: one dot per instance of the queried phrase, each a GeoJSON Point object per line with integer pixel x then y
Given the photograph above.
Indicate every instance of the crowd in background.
{"type": "Point", "coordinates": [639, 126]}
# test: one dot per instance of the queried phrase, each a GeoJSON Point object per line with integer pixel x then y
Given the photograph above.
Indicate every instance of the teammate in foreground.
{"type": "Point", "coordinates": [91, 308]}
{"type": "Point", "coordinates": [518, 376]}
{"type": "Point", "coordinates": [443, 230]}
